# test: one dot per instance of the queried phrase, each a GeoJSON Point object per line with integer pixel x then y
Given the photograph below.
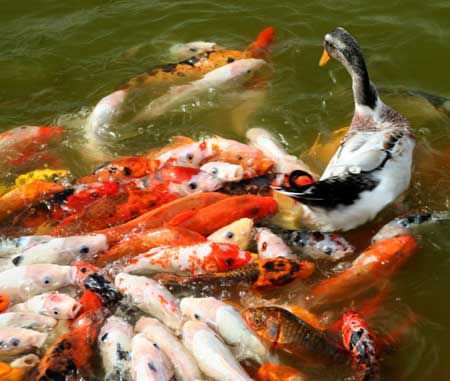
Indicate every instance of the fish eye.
{"type": "Point", "coordinates": [55, 312]}
{"type": "Point", "coordinates": [189, 156]}
{"type": "Point", "coordinates": [103, 338]}
{"type": "Point", "coordinates": [214, 171]}
{"type": "Point", "coordinates": [229, 235]}
{"type": "Point", "coordinates": [327, 250]}
{"type": "Point", "coordinates": [156, 345]}
{"type": "Point", "coordinates": [126, 171]}
{"type": "Point", "coordinates": [197, 316]}
{"type": "Point", "coordinates": [83, 270]}
{"type": "Point", "coordinates": [230, 59]}
{"type": "Point", "coordinates": [193, 49]}
{"type": "Point", "coordinates": [14, 342]}
{"type": "Point", "coordinates": [229, 261]}
{"type": "Point", "coordinates": [192, 185]}
{"type": "Point", "coordinates": [46, 280]}
{"type": "Point", "coordinates": [84, 249]}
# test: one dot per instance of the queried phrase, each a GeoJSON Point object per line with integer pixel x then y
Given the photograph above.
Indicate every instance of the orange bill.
{"type": "Point", "coordinates": [325, 58]}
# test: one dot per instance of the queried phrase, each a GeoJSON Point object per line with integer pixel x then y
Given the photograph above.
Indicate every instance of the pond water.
{"type": "Point", "coordinates": [59, 58]}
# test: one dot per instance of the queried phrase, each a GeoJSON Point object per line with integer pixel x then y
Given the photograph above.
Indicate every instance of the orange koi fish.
{"type": "Point", "coordinates": [274, 372]}
{"type": "Point", "coordinates": [162, 215]}
{"type": "Point", "coordinates": [286, 331]}
{"type": "Point", "coordinates": [4, 303]}
{"type": "Point", "coordinates": [90, 301]}
{"type": "Point", "coordinates": [359, 340]}
{"type": "Point", "coordinates": [20, 142]}
{"type": "Point", "coordinates": [193, 259]}
{"type": "Point", "coordinates": [26, 195]}
{"type": "Point", "coordinates": [73, 351]}
{"type": "Point", "coordinates": [196, 66]}
{"type": "Point", "coordinates": [211, 218]}
{"type": "Point", "coordinates": [261, 274]}
{"type": "Point", "coordinates": [8, 373]}
{"type": "Point", "coordinates": [131, 167]}
{"type": "Point", "coordinates": [141, 242]}
{"type": "Point", "coordinates": [374, 266]}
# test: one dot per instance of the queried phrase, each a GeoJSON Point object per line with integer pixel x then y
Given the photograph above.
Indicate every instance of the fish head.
{"type": "Point", "coordinates": [224, 171]}
{"type": "Point", "coordinates": [266, 325]}
{"type": "Point", "coordinates": [400, 226]}
{"type": "Point", "coordinates": [246, 67]}
{"type": "Point", "coordinates": [201, 309]}
{"type": "Point", "coordinates": [322, 245]}
{"type": "Point", "coordinates": [187, 180]}
{"type": "Point", "coordinates": [239, 233]}
{"type": "Point", "coordinates": [229, 256]}
{"type": "Point", "coordinates": [90, 277]}
{"type": "Point", "coordinates": [61, 306]}
{"type": "Point", "coordinates": [275, 272]}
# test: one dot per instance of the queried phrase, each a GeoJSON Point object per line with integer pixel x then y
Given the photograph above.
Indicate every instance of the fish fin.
{"type": "Point", "coordinates": [180, 218]}
{"type": "Point", "coordinates": [179, 139]}
{"type": "Point", "coordinates": [260, 47]}
{"type": "Point", "coordinates": [331, 192]}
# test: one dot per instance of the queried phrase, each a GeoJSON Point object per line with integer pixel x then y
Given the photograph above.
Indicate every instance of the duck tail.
{"type": "Point", "coordinates": [260, 47]}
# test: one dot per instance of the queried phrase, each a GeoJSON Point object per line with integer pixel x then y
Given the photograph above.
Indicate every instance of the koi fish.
{"type": "Point", "coordinates": [286, 331]}
{"type": "Point", "coordinates": [237, 70]}
{"type": "Point", "coordinates": [186, 50]}
{"type": "Point", "coordinates": [150, 297]}
{"type": "Point", "coordinates": [92, 278]}
{"type": "Point", "coordinates": [148, 362]}
{"type": "Point", "coordinates": [359, 340]}
{"type": "Point", "coordinates": [57, 306]}
{"type": "Point", "coordinates": [201, 64]}
{"type": "Point", "coordinates": [376, 264]}
{"type": "Point", "coordinates": [213, 356]}
{"type": "Point", "coordinates": [28, 320]}
{"type": "Point", "coordinates": [4, 303]}
{"type": "Point", "coordinates": [61, 251]}
{"type": "Point", "coordinates": [269, 145]}
{"type": "Point", "coordinates": [162, 215]}
{"type": "Point", "coordinates": [90, 301]}
{"type": "Point", "coordinates": [17, 245]}
{"type": "Point", "coordinates": [20, 142]}
{"type": "Point", "coordinates": [25, 195]}
{"type": "Point", "coordinates": [185, 366]}
{"type": "Point", "coordinates": [124, 168]}
{"type": "Point", "coordinates": [138, 243]}
{"type": "Point", "coordinates": [318, 245]}
{"type": "Point", "coordinates": [270, 245]}
{"type": "Point", "coordinates": [239, 232]}
{"type": "Point", "coordinates": [17, 341]}
{"type": "Point", "coordinates": [114, 342]}
{"type": "Point", "coordinates": [192, 259]}
{"type": "Point", "coordinates": [228, 323]}
{"type": "Point", "coordinates": [224, 171]}
{"type": "Point", "coordinates": [19, 368]}
{"type": "Point", "coordinates": [211, 218]}
{"type": "Point", "coordinates": [261, 274]}
{"type": "Point", "coordinates": [20, 283]}
{"type": "Point", "coordinates": [274, 372]}
{"type": "Point", "coordinates": [73, 351]}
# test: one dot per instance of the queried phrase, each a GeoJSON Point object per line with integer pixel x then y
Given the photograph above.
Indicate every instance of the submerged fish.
{"type": "Point", "coordinates": [318, 245]}
{"type": "Point", "coordinates": [286, 331]}
{"type": "Point", "coordinates": [213, 357]}
{"type": "Point", "coordinates": [374, 266]}
{"type": "Point", "coordinates": [193, 259]}
{"type": "Point", "coordinates": [228, 323]}
{"type": "Point", "coordinates": [185, 366]}
{"type": "Point", "coordinates": [359, 340]}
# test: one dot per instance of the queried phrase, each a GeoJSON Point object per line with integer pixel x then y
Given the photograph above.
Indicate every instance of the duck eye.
{"type": "Point", "coordinates": [84, 249]}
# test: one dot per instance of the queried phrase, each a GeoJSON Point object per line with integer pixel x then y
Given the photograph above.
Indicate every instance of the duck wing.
{"type": "Point", "coordinates": [333, 191]}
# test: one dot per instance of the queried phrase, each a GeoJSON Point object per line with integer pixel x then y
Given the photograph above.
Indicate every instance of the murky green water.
{"type": "Point", "coordinates": [58, 58]}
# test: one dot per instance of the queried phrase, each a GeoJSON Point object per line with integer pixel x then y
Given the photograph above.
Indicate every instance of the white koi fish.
{"type": "Point", "coordinates": [17, 341]}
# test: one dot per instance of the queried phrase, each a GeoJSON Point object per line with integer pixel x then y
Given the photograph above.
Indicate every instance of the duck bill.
{"type": "Point", "coordinates": [325, 58]}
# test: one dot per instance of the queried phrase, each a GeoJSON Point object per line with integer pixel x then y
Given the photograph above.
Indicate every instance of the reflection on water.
{"type": "Point", "coordinates": [59, 59]}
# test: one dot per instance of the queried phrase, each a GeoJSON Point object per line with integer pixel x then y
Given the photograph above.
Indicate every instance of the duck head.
{"type": "Point", "coordinates": [342, 46]}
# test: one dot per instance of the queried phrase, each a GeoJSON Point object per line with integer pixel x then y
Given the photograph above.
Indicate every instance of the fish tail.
{"type": "Point", "coordinates": [260, 47]}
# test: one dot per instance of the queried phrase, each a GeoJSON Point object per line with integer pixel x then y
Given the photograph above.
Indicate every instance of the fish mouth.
{"type": "Point", "coordinates": [97, 283]}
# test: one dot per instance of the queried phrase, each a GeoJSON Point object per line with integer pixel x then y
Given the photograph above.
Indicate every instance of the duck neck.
{"type": "Point", "coordinates": [364, 90]}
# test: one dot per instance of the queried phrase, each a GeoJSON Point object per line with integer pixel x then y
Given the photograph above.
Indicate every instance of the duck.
{"type": "Point", "coordinates": [372, 165]}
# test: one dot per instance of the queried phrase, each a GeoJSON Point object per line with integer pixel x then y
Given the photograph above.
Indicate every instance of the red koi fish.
{"type": "Point", "coordinates": [141, 242]}
{"type": "Point", "coordinates": [26, 195]}
{"type": "Point", "coordinates": [90, 301]}
{"type": "Point", "coordinates": [359, 340]}
{"type": "Point", "coordinates": [131, 167]}
{"type": "Point", "coordinates": [73, 351]}
{"type": "Point", "coordinates": [374, 266]}
{"type": "Point", "coordinates": [211, 218]}
{"type": "Point", "coordinates": [20, 142]}
{"type": "Point", "coordinates": [194, 259]}
{"type": "Point", "coordinates": [162, 215]}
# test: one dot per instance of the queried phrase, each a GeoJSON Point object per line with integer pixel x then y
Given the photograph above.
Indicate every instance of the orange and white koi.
{"type": "Point", "coordinates": [192, 259]}
{"type": "Point", "coordinates": [359, 340]}
{"type": "Point", "coordinates": [373, 267]}
{"type": "Point", "coordinates": [150, 297]}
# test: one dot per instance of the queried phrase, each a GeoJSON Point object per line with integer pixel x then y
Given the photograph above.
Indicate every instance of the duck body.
{"type": "Point", "coordinates": [372, 165]}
